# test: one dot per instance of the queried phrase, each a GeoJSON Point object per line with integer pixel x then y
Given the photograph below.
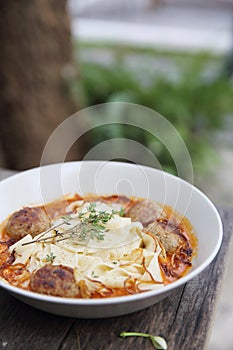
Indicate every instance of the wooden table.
{"type": "Point", "coordinates": [184, 318]}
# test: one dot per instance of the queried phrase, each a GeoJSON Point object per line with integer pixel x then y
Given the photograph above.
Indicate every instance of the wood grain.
{"type": "Point", "coordinates": [184, 318]}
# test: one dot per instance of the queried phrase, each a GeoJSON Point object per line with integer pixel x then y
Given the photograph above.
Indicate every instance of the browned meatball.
{"type": "Point", "coordinates": [6, 256]}
{"type": "Point", "coordinates": [146, 211]}
{"type": "Point", "coordinates": [27, 221]}
{"type": "Point", "coordinates": [170, 237]}
{"type": "Point", "coordinates": [57, 280]}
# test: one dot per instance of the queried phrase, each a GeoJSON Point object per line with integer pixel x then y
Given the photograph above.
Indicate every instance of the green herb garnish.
{"type": "Point", "coordinates": [93, 274]}
{"type": "Point", "coordinates": [157, 341]}
{"type": "Point", "coordinates": [92, 225]}
{"type": "Point", "coordinates": [50, 258]}
{"type": "Point", "coordinates": [66, 219]}
{"type": "Point", "coordinates": [122, 212]}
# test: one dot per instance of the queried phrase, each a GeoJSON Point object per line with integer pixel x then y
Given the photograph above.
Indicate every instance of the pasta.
{"type": "Point", "coordinates": [95, 247]}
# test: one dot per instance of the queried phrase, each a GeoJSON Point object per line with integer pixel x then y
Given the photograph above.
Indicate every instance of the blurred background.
{"type": "Point", "coordinates": [173, 56]}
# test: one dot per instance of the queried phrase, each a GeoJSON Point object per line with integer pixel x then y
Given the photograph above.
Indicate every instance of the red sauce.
{"type": "Point", "coordinates": [174, 266]}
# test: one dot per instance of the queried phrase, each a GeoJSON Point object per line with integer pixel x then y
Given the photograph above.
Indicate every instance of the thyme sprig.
{"type": "Point", "coordinates": [91, 225]}
{"type": "Point", "coordinates": [50, 258]}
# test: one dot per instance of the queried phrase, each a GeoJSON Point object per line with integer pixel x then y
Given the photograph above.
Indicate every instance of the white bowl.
{"type": "Point", "coordinates": [41, 185]}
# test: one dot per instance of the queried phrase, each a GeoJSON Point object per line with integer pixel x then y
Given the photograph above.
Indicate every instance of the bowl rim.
{"type": "Point", "coordinates": [127, 298]}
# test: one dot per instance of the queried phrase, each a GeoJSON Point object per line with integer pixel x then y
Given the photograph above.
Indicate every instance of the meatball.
{"type": "Point", "coordinates": [6, 257]}
{"type": "Point", "coordinates": [57, 280]}
{"type": "Point", "coordinates": [27, 221]}
{"type": "Point", "coordinates": [146, 211]}
{"type": "Point", "coordinates": [168, 236]}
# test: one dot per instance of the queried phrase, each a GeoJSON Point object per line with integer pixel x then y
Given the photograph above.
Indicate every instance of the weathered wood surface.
{"type": "Point", "coordinates": [184, 318]}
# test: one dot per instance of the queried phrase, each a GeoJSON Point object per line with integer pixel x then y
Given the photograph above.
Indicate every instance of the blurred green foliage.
{"type": "Point", "coordinates": [195, 97]}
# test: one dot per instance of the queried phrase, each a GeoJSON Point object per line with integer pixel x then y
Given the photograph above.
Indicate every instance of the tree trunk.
{"type": "Point", "coordinates": [35, 51]}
